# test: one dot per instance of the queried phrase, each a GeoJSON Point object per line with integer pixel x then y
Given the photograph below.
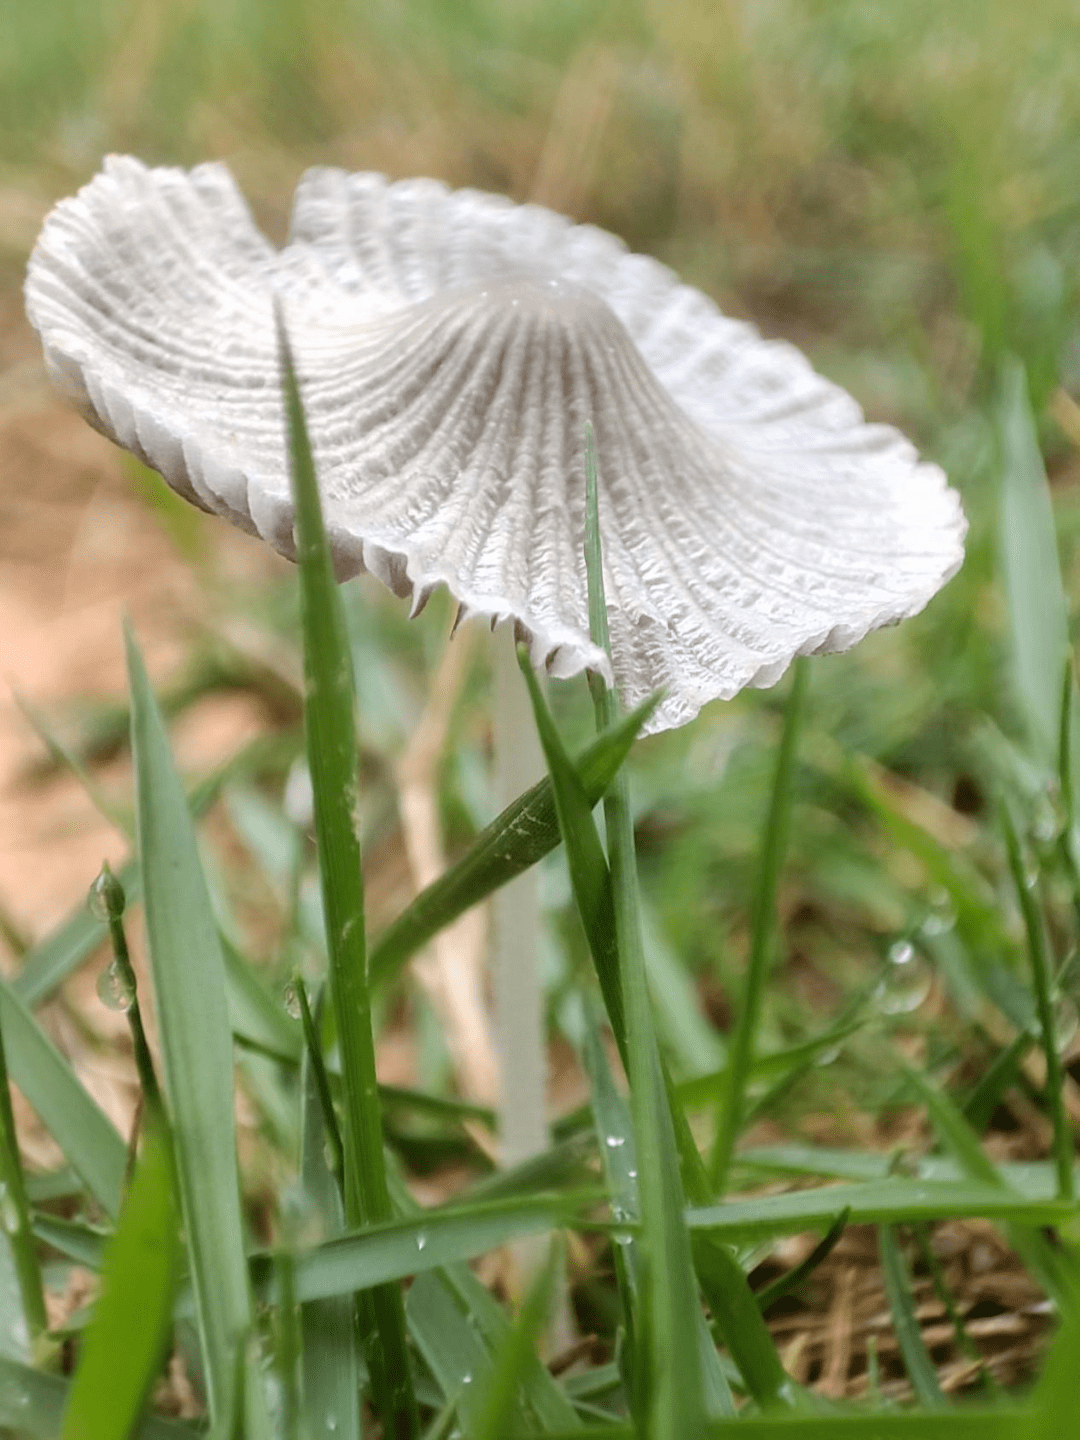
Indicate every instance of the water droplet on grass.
{"type": "Point", "coordinates": [10, 1219]}
{"type": "Point", "coordinates": [115, 988]}
{"type": "Point", "coordinates": [614, 1141]}
{"type": "Point", "coordinates": [292, 1000]}
{"type": "Point", "coordinates": [906, 981]}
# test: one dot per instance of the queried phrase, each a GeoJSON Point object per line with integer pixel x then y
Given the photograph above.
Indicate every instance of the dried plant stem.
{"type": "Point", "coordinates": [450, 971]}
{"type": "Point", "coordinates": [518, 998]}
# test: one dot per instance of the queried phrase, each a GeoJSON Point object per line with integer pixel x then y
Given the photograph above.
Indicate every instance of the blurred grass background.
{"type": "Point", "coordinates": [892, 187]}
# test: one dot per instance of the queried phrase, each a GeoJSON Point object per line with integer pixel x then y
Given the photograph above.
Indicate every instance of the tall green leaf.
{"type": "Point", "coordinates": [330, 730]}
{"type": "Point", "coordinates": [123, 1348]}
{"type": "Point", "coordinates": [762, 926]}
{"type": "Point", "coordinates": [196, 1044]}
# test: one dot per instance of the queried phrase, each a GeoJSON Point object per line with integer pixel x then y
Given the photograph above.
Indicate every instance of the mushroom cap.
{"type": "Point", "coordinates": [451, 346]}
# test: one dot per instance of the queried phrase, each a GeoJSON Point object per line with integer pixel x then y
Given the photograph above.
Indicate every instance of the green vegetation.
{"type": "Point", "coordinates": [854, 903]}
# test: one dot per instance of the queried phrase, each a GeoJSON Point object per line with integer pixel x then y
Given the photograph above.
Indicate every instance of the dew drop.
{"type": "Point", "coordinates": [115, 988]}
{"type": "Point", "coordinates": [614, 1141]}
{"type": "Point", "coordinates": [106, 899]}
{"type": "Point", "coordinates": [466, 1379]}
{"type": "Point", "coordinates": [421, 1241]}
{"type": "Point", "coordinates": [292, 1000]}
{"type": "Point", "coordinates": [906, 982]}
{"type": "Point", "coordinates": [10, 1220]}
{"type": "Point", "coordinates": [631, 1174]}
{"type": "Point", "coordinates": [331, 1421]}
{"type": "Point", "coordinates": [828, 1056]}
{"type": "Point", "coordinates": [621, 1237]}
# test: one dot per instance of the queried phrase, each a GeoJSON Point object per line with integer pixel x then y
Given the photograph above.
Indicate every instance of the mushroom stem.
{"type": "Point", "coordinates": [517, 992]}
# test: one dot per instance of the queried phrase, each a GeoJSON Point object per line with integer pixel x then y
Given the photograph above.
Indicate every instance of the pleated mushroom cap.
{"type": "Point", "coordinates": [451, 347]}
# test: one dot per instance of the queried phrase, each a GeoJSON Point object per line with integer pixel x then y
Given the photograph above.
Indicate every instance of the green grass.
{"type": "Point", "coordinates": [892, 187]}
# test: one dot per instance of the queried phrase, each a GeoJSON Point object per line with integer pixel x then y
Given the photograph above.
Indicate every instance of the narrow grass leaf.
{"type": "Point", "coordinates": [762, 925]}
{"type": "Point", "coordinates": [917, 1362]}
{"type": "Point", "coordinates": [521, 835]}
{"type": "Point", "coordinates": [90, 1142]}
{"type": "Point", "coordinates": [330, 730]}
{"type": "Point", "coordinates": [330, 1375]}
{"type": "Point", "coordinates": [23, 1309]}
{"type": "Point", "coordinates": [32, 1403]}
{"type": "Point", "coordinates": [1037, 607]}
{"type": "Point", "coordinates": [398, 1248]}
{"type": "Point", "coordinates": [455, 1353]}
{"type": "Point", "coordinates": [122, 1351]}
{"type": "Point", "coordinates": [795, 1276]}
{"type": "Point", "coordinates": [539, 1391]}
{"type": "Point", "coordinates": [513, 1354]}
{"type": "Point", "coordinates": [892, 1201]}
{"type": "Point", "coordinates": [588, 867]}
{"type": "Point", "coordinates": [673, 1376]}
{"type": "Point", "coordinates": [1039, 957]}
{"type": "Point", "coordinates": [1006, 1423]}
{"type": "Point", "coordinates": [196, 1044]}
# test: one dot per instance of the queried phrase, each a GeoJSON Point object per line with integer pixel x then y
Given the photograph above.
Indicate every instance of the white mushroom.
{"type": "Point", "coordinates": [451, 346]}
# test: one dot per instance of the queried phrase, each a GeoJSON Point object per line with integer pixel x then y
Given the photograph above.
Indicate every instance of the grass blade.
{"type": "Point", "coordinates": [29, 1321]}
{"type": "Point", "coordinates": [890, 1201]}
{"type": "Point", "coordinates": [1037, 608]}
{"type": "Point", "coordinates": [196, 1044]}
{"type": "Point", "coordinates": [589, 874]}
{"type": "Point", "coordinates": [397, 1248]}
{"type": "Point", "coordinates": [521, 835]}
{"type": "Point", "coordinates": [329, 1368]}
{"type": "Point", "coordinates": [330, 728]}
{"type": "Point", "coordinates": [821, 1251]}
{"type": "Point", "coordinates": [122, 1351]}
{"type": "Point", "coordinates": [90, 1142]}
{"type": "Point", "coordinates": [1038, 955]}
{"type": "Point", "coordinates": [741, 1048]}
{"type": "Point", "coordinates": [675, 1386]}
{"type": "Point", "coordinates": [513, 1355]}
{"type": "Point", "coordinates": [32, 1403]}
{"type": "Point", "coordinates": [917, 1362]}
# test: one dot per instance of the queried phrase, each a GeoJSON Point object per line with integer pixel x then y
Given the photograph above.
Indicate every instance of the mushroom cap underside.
{"type": "Point", "coordinates": [451, 347]}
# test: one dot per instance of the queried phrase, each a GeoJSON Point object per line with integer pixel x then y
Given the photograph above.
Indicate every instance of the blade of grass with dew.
{"type": "Point", "coordinates": [329, 1363]}
{"type": "Point", "coordinates": [669, 1349]}
{"type": "Point", "coordinates": [1006, 1423]}
{"type": "Point", "coordinates": [618, 1158]}
{"type": "Point", "coordinates": [90, 1142]}
{"type": "Point", "coordinates": [395, 1249]}
{"type": "Point", "coordinates": [454, 1352]}
{"type": "Point", "coordinates": [1039, 958]}
{"type": "Point", "coordinates": [892, 1201]}
{"type": "Point", "coordinates": [330, 728]}
{"type": "Point", "coordinates": [32, 1403]}
{"type": "Point", "coordinates": [1037, 606]}
{"type": "Point", "coordinates": [521, 835]}
{"type": "Point", "coordinates": [48, 963]}
{"type": "Point", "coordinates": [122, 1351]}
{"type": "Point", "coordinates": [514, 1353]}
{"type": "Point", "coordinates": [917, 1362]}
{"type": "Point", "coordinates": [590, 877]}
{"type": "Point", "coordinates": [24, 1315]}
{"type": "Point", "coordinates": [762, 926]}
{"type": "Point", "coordinates": [196, 1044]}
{"type": "Point", "coordinates": [538, 1389]}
